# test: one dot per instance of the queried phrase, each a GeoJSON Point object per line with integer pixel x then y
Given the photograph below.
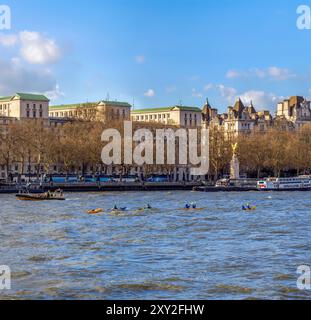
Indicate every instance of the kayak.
{"type": "Point", "coordinates": [192, 209]}
{"type": "Point", "coordinates": [145, 209]}
{"type": "Point", "coordinates": [250, 209]}
{"type": "Point", "coordinates": [117, 211]}
{"type": "Point", "coordinates": [95, 211]}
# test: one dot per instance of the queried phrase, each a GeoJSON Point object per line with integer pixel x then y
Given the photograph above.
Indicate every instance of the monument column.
{"type": "Point", "coordinates": [235, 164]}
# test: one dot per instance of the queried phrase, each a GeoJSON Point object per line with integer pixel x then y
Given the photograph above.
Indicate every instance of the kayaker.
{"type": "Point", "coordinates": [187, 206]}
{"type": "Point", "coordinates": [148, 206]}
{"type": "Point", "coordinates": [194, 205]}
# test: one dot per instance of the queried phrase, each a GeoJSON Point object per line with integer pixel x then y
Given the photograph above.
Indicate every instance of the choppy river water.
{"type": "Point", "coordinates": [57, 251]}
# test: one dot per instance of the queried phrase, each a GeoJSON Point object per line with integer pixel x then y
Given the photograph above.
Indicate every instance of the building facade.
{"type": "Point", "coordinates": [25, 106]}
{"type": "Point", "coordinates": [177, 115]}
{"type": "Point", "coordinates": [239, 119]}
{"type": "Point", "coordinates": [296, 110]}
{"type": "Point", "coordinates": [103, 111]}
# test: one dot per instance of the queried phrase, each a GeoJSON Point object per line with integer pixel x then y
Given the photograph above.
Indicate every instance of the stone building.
{"type": "Point", "coordinates": [296, 110]}
{"type": "Point", "coordinates": [177, 115]}
{"type": "Point", "coordinates": [102, 111]}
{"type": "Point", "coordinates": [24, 106]}
{"type": "Point", "coordinates": [239, 119]}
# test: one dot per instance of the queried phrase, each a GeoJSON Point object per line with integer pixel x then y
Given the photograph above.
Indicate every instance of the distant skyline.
{"type": "Point", "coordinates": [157, 53]}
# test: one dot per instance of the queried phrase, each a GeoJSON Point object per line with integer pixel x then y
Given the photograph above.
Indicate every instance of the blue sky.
{"type": "Point", "coordinates": [157, 52]}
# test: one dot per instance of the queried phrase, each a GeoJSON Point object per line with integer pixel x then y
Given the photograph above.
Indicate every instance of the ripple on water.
{"type": "Point", "coordinates": [148, 286]}
{"type": "Point", "coordinates": [56, 250]}
{"type": "Point", "coordinates": [231, 289]}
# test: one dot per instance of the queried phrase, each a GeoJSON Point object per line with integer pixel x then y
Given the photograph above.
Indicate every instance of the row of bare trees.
{"type": "Point", "coordinates": [273, 153]}
{"type": "Point", "coordinates": [77, 145]}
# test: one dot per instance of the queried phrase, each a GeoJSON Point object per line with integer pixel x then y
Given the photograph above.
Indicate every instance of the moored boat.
{"type": "Point", "coordinates": [300, 183]}
{"type": "Point", "coordinates": [57, 195]}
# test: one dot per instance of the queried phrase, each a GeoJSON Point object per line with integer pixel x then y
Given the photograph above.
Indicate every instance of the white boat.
{"type": "Point", "coordinates": [285, 184]}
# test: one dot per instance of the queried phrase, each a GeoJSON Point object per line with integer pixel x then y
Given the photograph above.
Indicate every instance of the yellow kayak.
{"type": "Point", "coordinates": [192, 209]}
{"type": "Point", "coordinates": [250, 209]}
{"type": "Point", "coordinates": [95, 211]}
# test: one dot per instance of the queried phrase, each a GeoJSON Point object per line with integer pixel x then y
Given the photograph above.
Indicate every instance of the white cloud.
{"type": "Point", "coordinates": [34, 47]}
{"type": "Point", "coordinates": [171, 89]}
{"type": "Point", "coordinates": [9, 40]}
{"type": "Point", "coordinates": [196, 94]}
{"type": "Point", "coordinates": [228, 93]}
{"type": "Point", "coordinates": [16, 78]}
{"type": "Point", "coordinates": [280, 73]}
{"type": "Point", "coordinates": [273, 73]}
{"type": "Point", "coordinates": [231, 74]}
{"type": "Point", "coordinates": [37, 49]}
{"type": "Point", "coordinates": [208, 87]}
{"type": "Point", "coordinates": [140, 59]}
{"type": "Point", "coordinates": [55, 94]}
{"type": "Point", "coordinates": [261, 99]}
{"type": "Point", "coordinates": [194, 78]}
{"type": "Point", "coordinates": [150, 93]}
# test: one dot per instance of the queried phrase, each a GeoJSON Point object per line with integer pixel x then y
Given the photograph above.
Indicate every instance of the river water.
{"type": "Point", "coordinates": [57, 251]}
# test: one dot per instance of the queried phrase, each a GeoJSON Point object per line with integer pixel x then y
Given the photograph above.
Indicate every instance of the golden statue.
{"type": "Point", "coordinates": [235, 148]}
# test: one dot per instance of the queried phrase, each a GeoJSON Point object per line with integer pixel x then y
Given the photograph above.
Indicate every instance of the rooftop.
{"type": "Point", "coordinates": [167, 109]}
{"type": "Point", "coordinates": [92, 104]}
{"type": "Point", "coordinates": [25, 96]}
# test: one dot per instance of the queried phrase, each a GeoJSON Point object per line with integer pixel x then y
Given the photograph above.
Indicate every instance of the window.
{"type": "Point", "coordinates": [27, 114]}
{"type": "Point", "coordinates": [40, 114]}
{"type": "Point", "coordinates": [34, 114]}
